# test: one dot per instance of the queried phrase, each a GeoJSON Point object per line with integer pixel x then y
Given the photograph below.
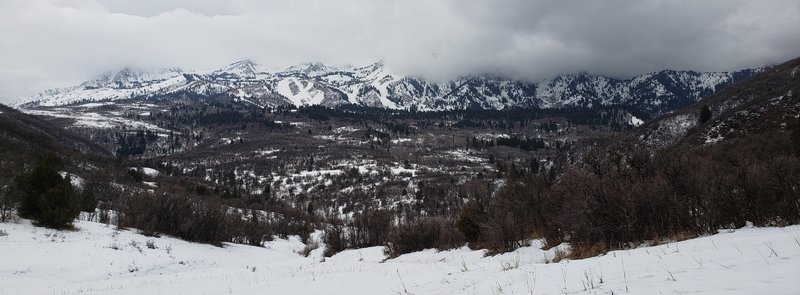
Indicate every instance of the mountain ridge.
{"type": "Point", "coordinates": [375, 85]}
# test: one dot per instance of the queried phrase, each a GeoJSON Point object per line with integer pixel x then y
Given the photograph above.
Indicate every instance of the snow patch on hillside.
{"type": "Point", "coordinates": [75, 180]}
{"type": "Point", "coordinates": [670, 130]}
{"type": "Point", "coordinates": [94, 120]}
{"type": "Point", "coordinates": [636, 121]}
{"type": "Point", "coordinates": [150, 172]}
{"type": "Point", "coordinates": [300, 92]}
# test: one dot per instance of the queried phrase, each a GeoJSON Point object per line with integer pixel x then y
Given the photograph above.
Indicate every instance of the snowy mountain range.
{"type": "Point", "coordinates": [375, 85]}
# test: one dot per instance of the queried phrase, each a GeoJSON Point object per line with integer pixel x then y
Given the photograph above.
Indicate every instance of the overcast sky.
{"type": "Point", "coordinates": [53, 43]}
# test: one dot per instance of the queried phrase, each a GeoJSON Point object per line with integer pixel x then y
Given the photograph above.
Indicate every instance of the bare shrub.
{"type": "Point", "coordinates": [586, 251]}
{"type": "Point", "coordinates": [335, 239]}
{"type": "Point", "coordinates": [421, 234]}
{"type": "Point", "coordinates": [8, 203]}
{"type": "Point", "coordinates": [9, 197]}
{"type": "Point", "coordinates": [622, 195]}
{"type": "Point", "coordinates": [249, 228]}
{"type": "Point", "coordinates": [370, 229]}
{"type": "Point", "coordinates": [176, 215]}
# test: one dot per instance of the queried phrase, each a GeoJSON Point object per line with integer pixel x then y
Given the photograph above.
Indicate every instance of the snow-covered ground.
{"type": "Point", "coordinates": [96, 259]}
{"type": "Point", "coordinates": [95, 120]}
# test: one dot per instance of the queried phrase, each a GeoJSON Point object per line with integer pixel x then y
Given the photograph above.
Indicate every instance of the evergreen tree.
{"type": "Point", "coordinates": [535, 166]}
{"type": "Point", "coordinates": [48, 198]}
{"type": "Point", "coordinates": [88, 200]}
{"type": "Point", "coordinates": [469, 220]}
{"type": "Point", "coordinates": [705, 114]}
{"type": "Point", "coordinates": [58, 206]}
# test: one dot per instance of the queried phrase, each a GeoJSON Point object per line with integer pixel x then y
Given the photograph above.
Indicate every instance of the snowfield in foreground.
{"type": "Point", "coordinates": [97, 259]}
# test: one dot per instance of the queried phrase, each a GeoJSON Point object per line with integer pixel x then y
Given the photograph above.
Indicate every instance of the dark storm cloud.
{"type": "Point", "coordinates": [47, 43]}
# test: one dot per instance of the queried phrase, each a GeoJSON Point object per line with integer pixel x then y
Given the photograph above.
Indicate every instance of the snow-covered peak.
{"type": "Point", "coordinates": [125, 75]}
{"type": "Point", "coordinates": [123, 84]}
{"type": "Point", "coordinates": [369, 69]}
{"type": "Point", "coordinates": [131, 77]}
{"type": "Point", "coordinates": [311, 69]}
{"type": "Point", "coordinates": [244, 68]}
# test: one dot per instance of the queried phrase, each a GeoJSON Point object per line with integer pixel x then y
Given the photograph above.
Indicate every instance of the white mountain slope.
{"type": "Point", "coordinates": [97, 259]}
{"type": "Point", "coordinates": [300, 92]}
{"type": "Point", "coordinates": [124, 84]}
{"type": "Point", "coordinates": [245, 69]}
{"type": "Point", "coordinates": [377, 86]}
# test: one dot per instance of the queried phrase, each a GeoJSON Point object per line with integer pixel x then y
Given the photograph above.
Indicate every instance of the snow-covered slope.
{"type": "Point", "coordinates": [125, 84]}
{"type": "Point", "coordinates": [97, 259]}
{"type": "Point", "coordinates": [377, 86]}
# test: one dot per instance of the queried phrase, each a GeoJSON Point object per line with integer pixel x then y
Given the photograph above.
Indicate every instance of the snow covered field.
{"type": "Point", "coordinates": [96, 259]}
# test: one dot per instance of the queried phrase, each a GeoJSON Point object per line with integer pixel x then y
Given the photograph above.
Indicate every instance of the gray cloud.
{"type": "Point", "coordinates": [49, 43]}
